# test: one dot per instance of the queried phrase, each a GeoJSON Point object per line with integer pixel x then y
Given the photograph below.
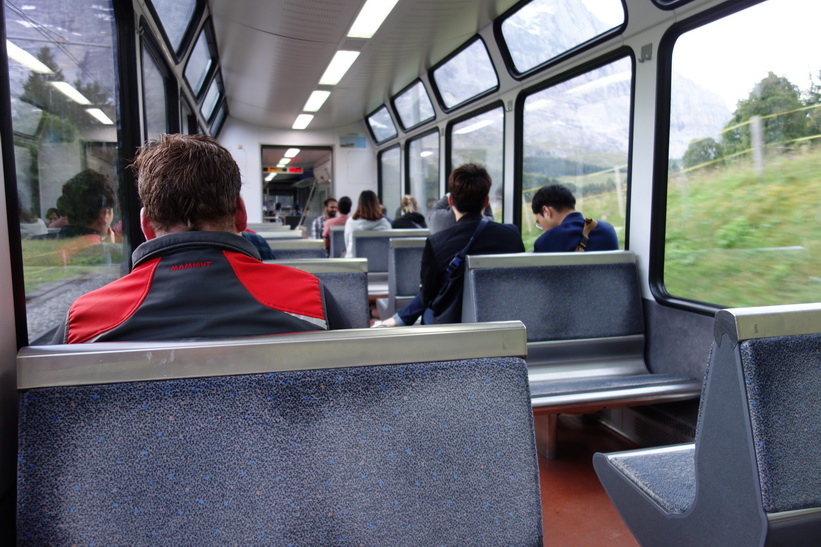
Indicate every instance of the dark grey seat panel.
{"type": "Point", "coordinates": [288, 254]}
{"type": "Point", "coordinates": [756, 471]}
{"type": "Point", "coordinates": [337, 238]}
{"type": "Point", "coordinates": [350, 289]}
{"type": "Point", "coordinates": [561, 302]}
{"type": "Point", "coordinates": [374, 245]}
{"type": "Point", "coordinates": [404, 268]}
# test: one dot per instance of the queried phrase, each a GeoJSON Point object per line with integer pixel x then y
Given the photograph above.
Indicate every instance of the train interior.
{"type": "Point", "coordinates": [691, 126]}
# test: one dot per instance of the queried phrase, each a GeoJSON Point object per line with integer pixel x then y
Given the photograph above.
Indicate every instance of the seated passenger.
{"type": "Point", "coordinates": [555, 210]}
{"type": "Point", "coordinates": [329, 208]}
{"type": "Point", "coordinates": [340, 219]}
{"type": "Point", "coordinates": [264, 250]}
{"type": "Point", "coordinates": [411, 217]}
{"type": "Point", "coordinates": [196, 277]}
{"type": "Point", "coordinates": [469, 190]}
{"type": "Point", "coordinates": [368, 216]}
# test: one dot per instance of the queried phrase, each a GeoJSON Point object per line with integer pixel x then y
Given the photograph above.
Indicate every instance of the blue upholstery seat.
{"type": "Point", "coordinates": [337, 241]}
{"type": "Point", "coordinates": [287, 249]}
{"type": "Point", "coordinates": [374, 245]}
{"type": "Point", "coordinates": [753, 475]}
{"type": "Point", "coordinates": [316, 438]}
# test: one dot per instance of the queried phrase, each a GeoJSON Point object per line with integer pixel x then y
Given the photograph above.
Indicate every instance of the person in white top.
{"type": "Point", "coordinates": [368, 216]}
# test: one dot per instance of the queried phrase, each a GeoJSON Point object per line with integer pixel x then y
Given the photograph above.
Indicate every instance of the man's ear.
{"type": "Point", "coordinates": [145, 224]}
{"type": "Point", "coordinates": [450, 200]}
{"type": "Point", "coordinates": [487, 202]}
{"type": "Point", "coordinates": [240, 216]}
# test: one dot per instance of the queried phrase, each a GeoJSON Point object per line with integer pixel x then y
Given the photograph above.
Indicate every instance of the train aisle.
{"type": "Point", "coordinates": [576, 511]}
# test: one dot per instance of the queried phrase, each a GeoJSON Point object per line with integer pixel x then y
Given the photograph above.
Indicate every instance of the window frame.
{"type": "Point", "coordinates": [370, 129]}
{"type": "Point", "coordinates": [399, 116]}
{"type": "Point", "coordinates": [560, 58]}
{"type": "Point", "coordinates": [658, 219]}
{"type": "Point", "coordinates": [220, 116]}
{"type": "Point", "coordinates": [437, 94]}
{"type": "Point", "coordinates": [189, 34]}
{"type": "Point", "coordinates": [518, 151]}
{"type": "Point", "coordinates": [206, 29]}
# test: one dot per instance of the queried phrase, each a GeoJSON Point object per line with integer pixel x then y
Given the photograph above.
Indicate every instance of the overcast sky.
{"type": "Point", "coordinates": [729, 56]}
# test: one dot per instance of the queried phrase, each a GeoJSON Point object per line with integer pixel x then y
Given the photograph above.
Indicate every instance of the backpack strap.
{"type": "Point", "coordinates": [589, 225]}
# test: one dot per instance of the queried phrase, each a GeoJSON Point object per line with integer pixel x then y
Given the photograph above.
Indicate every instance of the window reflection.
{"type": "Point", "coordinates": [414, 106]}
{"type": "Point", "coordinates": [423, 169]}
{"type": "Point", "coordinates": [155, 98]}
{"type": "Point", "coordinates": [382, 125]}
{"type": "Point", "coordinates": [481, 139]}
{"type": "Point", "coordinates": [65, 143]}
{"type": "Point", "coordinates": [390, 180]}
{"type": "Point", "coordinates": [175, 15]}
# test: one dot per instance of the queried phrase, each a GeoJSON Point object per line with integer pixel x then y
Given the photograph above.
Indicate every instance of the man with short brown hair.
{"type": "Point", "coordinates": [196, 277]}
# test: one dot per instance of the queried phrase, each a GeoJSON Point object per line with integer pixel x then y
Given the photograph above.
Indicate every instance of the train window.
{"type": "Point", "coordinates": [219, 118]}
{"type": "Point", "coordinates": [577, 133]}
{"type": "Point", "coordinates": [64, 103]}
{"type": "Point", "coordinates": [199, 63]}
{"type": "Point", "coordinates": [743, 181]}
{"type": "Point", "coordinates": [423, 169]}
{"type": "Point", "coordinates": [481, 139]}
{"type": "Point", "coordinates": [390, 179]}
{"type": "Point", "coordinates": [528, 44]}
{"type": "Point", "coordinates": [381, 125]}
{"type": "Point", "coordinates": [413, 106]}
{"type": "Point", "coordinates": [175, 16]}
{"type": "Point", "coordinates": [465, 76]}
{"type": "Point", "coordinates": [213, 97]}
{"type": "Point", "coordinates": [155, 95]}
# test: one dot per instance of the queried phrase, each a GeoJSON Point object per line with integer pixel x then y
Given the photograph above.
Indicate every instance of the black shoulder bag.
{"type": "Point", "coordinates": [449, 296]}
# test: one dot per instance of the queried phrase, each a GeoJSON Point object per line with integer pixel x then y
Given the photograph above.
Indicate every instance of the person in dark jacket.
{"type": "Point", "coordinates": [469, 187]}
{"type": "Point", "coordinates": [555, 210]}
{"type": "Point", "coordinates": [195, 277]}
{"type": "Point", "coordinates": [410, 216]}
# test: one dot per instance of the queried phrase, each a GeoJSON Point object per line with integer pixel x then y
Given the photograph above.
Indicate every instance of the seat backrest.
{"type": "Point", "coordinates": [374, 245]}
{"type": "Point", "coordinates": [356, 436]}
{"type": "Point", "coordinates": [297, 248]}
{"type": "Point", "coordinates": [337, 241]}
{"type": "Point", "coordinates": [558, 296]}
{"type": "Point", "coordinates": [779, 350]}
{"type": "Point", "coordinates": [346, 278]}
{"type": "Point", "coordinates": [404, 264]}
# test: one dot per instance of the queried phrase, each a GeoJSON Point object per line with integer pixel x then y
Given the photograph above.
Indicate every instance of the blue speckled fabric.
{"type": "Point", "coordinates": [783, 380]}
{"type": "Point", "coordinates": [421, 454]}
{"type": "Point", "coordinates": [562, 302]}
{"type": "Point", "coordinates": [669, 478]}
{"type": "Point", "coordinates": [350, 289]}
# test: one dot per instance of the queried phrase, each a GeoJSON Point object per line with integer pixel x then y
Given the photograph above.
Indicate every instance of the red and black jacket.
{"type": "Point", "coordinates": [201, 285]}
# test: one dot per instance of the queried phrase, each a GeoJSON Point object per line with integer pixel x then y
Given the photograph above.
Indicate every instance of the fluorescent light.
{"type": "Point", "coordinates": [280, 165]}
{"type": "Point", "coordinates": [302, 121]}
{"type": "Point", "coordinates": [316, 100]}
{"type": "Point", "coordinates": [339, 65]}
{"type": "Point", "coordinates": [66, 89]}
{"type": "Point", "coordinates": [284, 161]}
{"type": "Point", "coordinates": [425, 154]}
{"type": "Point", "coordinates": [474, 127]}
{"type": "Point", "coordinates": [270, 177]}
{"type": "Point", "coordinates": [370, 18]}
{"type": "Point", "coordinates": [26, 59]}
{"type": "Point", "coordinates": [100, 115]}
{"type": "Point", "coordinates": [291, 152]}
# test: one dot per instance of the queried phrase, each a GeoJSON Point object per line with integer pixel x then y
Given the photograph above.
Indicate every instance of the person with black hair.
{"type": "Point", "coordinates": [555, 210]}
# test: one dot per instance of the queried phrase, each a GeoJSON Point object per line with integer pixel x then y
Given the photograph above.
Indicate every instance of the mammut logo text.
{"type": "Point", "coordinates": [190, 265]}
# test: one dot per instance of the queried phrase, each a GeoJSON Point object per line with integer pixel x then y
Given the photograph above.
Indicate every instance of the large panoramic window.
{"type": "Point", "coordinates": [467, 75]}
{"type": "Point", "coordinates": [481, 139]}
{"type": "Point", "coordinates": [571, 24]}
{"type": "Point", "coordinates": [423, 170]}
{"type": "Point", "coordinates": [744, 164]}
{"type": "Point", "coordinates": [175, 16]}
{"type": "Point", "coordinates": [577, 133]}
{"type": "Point", "coordinates": [390, 179]}
{"type": "Point", "coordinates": [413, 106]}
{"type": "Point", "coordinates": [381, 125]}
{"type": "Point", "coordinates": [63, 85]}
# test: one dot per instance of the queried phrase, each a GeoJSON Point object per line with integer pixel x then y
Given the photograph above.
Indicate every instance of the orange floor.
{"type": "Point", "coordinates": [575, 508]}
